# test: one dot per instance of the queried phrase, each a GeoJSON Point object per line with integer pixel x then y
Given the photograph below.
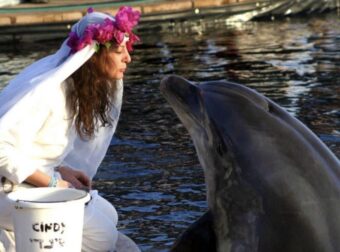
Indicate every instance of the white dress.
{"type": "Point", "coordinates": [38, 133]}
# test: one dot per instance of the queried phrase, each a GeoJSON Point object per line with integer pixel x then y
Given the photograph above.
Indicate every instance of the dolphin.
{"type": "Point", "coordinates": [272, 184]}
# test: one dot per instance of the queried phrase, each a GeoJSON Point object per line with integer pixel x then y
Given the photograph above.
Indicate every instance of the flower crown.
{"type": "Point", "coordinates": [108, 31]}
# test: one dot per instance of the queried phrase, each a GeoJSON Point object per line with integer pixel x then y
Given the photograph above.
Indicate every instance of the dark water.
{"type": "Point", "coordinates": [151, 173]}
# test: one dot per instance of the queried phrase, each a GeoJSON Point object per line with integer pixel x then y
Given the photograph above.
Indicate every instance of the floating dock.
{"type": "Point", "coordinates": [61, 11]}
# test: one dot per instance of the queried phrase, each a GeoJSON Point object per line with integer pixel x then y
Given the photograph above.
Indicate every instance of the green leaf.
{"type": "Point", "coordinates": [96, 47]}
{"type": "Point", "coordinates": [107, 45]}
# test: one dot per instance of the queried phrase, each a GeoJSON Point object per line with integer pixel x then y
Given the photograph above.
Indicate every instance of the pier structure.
{"type": "Point", "coordinates": [61, 11]}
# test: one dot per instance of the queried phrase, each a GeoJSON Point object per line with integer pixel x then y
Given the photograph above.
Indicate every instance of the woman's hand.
{"type": "Point", "coordinates": [77, 179]}
{"type": "Point", "coordinates": [63, 184]}
{"type": "Point", "coordinates": [41, 179]}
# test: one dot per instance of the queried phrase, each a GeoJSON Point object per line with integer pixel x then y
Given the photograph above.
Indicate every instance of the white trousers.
{"type": "Point", "coordinates": [99, 233]}
{"type": "Point", "coordinates": [100, 225]}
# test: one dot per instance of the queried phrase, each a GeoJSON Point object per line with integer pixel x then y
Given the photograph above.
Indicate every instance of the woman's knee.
{"type": "Point", "coordinates": [100, 231]}
{"type": "Point", "coordinates": [107, 209]}
{"type": "Point", "coordinates": [100, 235]}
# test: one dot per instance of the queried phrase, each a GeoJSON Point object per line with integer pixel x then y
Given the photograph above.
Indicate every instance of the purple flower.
{"type": "Point", "coordinates": [73, 41]}
{"type": "Point", "coordinates": [87, 37]}
{"type": "Point", "coordinates": [90, 10]}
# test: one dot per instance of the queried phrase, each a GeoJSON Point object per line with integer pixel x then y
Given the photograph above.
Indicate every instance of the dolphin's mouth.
{"type": "Point", "coordinates": [184, 97]}
{"type": "Point", "coordinates": [177, 88]}
{"type": "Point", "coordinates": [173, 85]}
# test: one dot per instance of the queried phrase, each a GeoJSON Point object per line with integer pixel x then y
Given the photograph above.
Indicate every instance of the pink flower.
{"type": "Point", "coordinates": [107, 31]}
{"type": "Point", "coordinates": [132, 39]}
{"type": "Point", "coordinates": [87, 36]}
{"type": "Point", "coordinates": [126, 18]}
{"type": "Point", "coordinates": [104, 32]}
{"type": "Point", "coordinates": [118, 36]}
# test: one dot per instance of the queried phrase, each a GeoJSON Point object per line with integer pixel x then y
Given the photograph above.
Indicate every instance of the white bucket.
{"type": "Point", "coordinates": [48, 219]}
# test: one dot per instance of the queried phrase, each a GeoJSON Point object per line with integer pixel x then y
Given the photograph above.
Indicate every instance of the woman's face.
{"type": "Point", "coordinates": [118, 59]}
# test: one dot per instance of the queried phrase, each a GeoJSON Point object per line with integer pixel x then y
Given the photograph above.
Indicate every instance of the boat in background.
{"type": "Point", "coordinates": [8, 2]}
{"type": "Point", "coordinates": [284, 8]}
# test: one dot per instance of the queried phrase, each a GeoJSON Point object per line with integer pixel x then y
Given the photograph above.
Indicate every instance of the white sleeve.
{"type": "Point", "coordinates": [18, 128]}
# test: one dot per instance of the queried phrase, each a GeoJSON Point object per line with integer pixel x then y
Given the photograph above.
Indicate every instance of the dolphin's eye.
{"type": "Point", "coordinates": [271, 109]}
{"type": "Point", "coordinates": [220, 149]}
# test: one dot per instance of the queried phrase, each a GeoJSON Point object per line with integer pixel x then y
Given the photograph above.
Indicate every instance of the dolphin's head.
{"type": "Point", "coordinates": [212, 113]}
{"type": "Point", "coordinates": [216, 114]}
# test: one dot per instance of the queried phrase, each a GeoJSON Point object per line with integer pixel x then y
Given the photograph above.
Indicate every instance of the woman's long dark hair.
{"type": "Point", "coordinates": [90, 99]}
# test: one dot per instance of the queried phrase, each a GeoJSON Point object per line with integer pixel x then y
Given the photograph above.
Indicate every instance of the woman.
{"type": "Point", "coordinates": [57, 118]}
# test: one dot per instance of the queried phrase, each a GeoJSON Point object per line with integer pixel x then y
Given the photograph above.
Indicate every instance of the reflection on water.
{"type": "Point", "coordinates": [151, 172]}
